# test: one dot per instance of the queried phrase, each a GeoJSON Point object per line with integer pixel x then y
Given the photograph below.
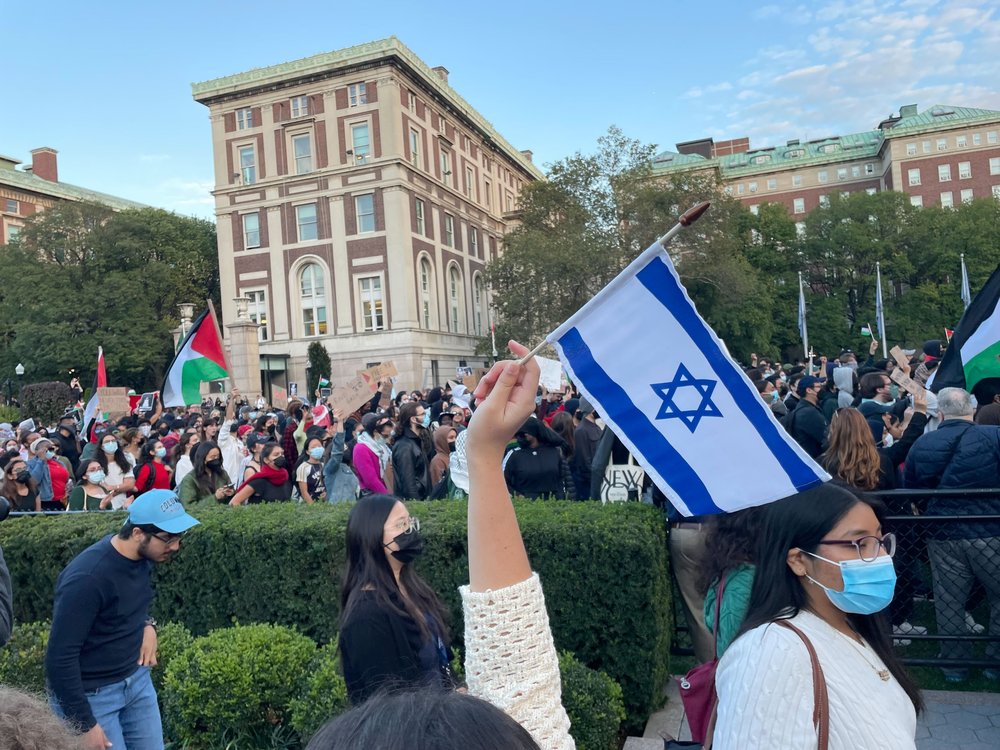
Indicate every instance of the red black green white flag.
{"type": "Point", "coordinates": [974, 351]}
{"type": "Point", "coordinates": [200, 358]}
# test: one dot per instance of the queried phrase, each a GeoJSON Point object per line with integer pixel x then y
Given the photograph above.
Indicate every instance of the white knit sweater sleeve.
{"type": "Point", "coordinates": [765, 688]}
{"type": "Point", "coordinates": [511, 659]}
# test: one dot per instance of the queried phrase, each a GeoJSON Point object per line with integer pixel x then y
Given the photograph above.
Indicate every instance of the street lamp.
{"type": "Point", "coordinates": [19, 371]}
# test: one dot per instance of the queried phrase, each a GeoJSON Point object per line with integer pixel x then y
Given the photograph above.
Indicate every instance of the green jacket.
{"type": "Point", "coordinates": [735, 601]}
{"type": "Point", "coordinates": [189, 492]}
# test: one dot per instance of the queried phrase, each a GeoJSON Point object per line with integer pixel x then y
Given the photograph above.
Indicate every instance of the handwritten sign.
{"type": "Point", "coordinates": [114, 402]}
{"type": "Point", "coordinates": [905, 382]}
{"type": "Point", "coordinates": [551, 376]}
{"type": "Point", "coordinates": [471, 381]}
{"type": "Point", "coordinates": [375, 373]}
{"type": "Point", "coordinates": [279, 397]}
{"type": "Point", "coordinates": [350, 396]}
{"type": "Point", "coordinates": [901, 359]}
{"type": "Point", "coordinates": [386, 398]}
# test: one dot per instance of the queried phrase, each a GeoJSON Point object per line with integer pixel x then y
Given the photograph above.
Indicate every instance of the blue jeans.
{"type": "Point", "coordinates": [128, 713]}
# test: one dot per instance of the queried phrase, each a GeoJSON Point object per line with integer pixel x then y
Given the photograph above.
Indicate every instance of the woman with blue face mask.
{"type": "Point", "coordinates": [309, 472]}
{"type": "Point", "coordinates": [824, 566]}
{"type": "Point", "coordinates": [90, 492]}
{"type": "Point", "coordinates": [119, 475]}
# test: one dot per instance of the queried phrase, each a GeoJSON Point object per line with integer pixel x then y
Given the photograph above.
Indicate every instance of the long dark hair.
{"type": "Point", "coordinates": [181, 448]}
{"type": "Point", "coordinates": [369, 570]}
{"type": "Point", "coordinates": [406, 412]}
{"type": "Point", "coordinates": [562, 425]}
{"type": "Point", "coordinates": [118, 455]}
{"type": "Point", "coordinates": [801, 522]}
{"type": "Point", "coordinates": [729, 543]}
{"type": "Point", "coordinates": [205, 477]}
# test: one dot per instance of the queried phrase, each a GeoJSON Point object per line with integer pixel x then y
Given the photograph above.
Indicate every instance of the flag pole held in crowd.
{"type": "Point", "coordinates": [201, 357]}
{"type": "Point", "coordinates": [681, 406]}
{"type": "Point", "coordinates": [879, 312]}
{"type": "Point", "coordinates": [966, 293]}
{"type": "Point", "coordinates": [803, 329]}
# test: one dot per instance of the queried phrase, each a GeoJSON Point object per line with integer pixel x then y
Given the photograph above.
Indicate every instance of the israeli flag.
{"type": "Point", "coordinates": [660, 378]}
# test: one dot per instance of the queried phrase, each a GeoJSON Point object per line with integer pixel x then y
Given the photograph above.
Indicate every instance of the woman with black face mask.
{"type": "Point", "coordinates": [19, 487]}
{"type": "Point", "coordinates": [269, 485]}
{"type": "Point", "coordinates": [392, 626]}
{"type": "Point", "coordinates": [208, 481]}
{"type": "Point", "coordinates": [537, 468]}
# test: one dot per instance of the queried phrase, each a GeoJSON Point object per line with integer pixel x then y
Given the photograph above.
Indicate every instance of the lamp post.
{"type": "Point", "coordinates": [187, 312]}
{"type": "Point", "coordinates": [19, 371]}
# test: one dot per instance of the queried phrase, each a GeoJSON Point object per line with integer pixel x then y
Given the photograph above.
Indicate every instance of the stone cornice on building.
{"type": "Point", "coordinates": [17, 180]}
{"type": "Point", "coordinates": [339, 62]}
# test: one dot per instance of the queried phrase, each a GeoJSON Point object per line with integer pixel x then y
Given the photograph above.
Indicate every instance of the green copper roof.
{"type": "Point", "coordinates": [367, 52]}
{"type": "Point", "coordinates": [26, 181]}
{"type": "Point", "coordinates": [940, 116]}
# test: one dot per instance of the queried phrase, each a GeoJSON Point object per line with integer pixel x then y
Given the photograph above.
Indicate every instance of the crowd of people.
{"type": "Point", "coordinates": [824, 564]}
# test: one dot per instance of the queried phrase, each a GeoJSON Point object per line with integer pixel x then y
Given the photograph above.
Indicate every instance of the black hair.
{"type": "Point", "coordinates": [269, 448]}
{"type": "Point", "coordinates": [368, 570]}
{"type": "Point", "coordinates": [406, 412]}
{"type": "Point", "coordinates": [729, 542]}
{"type": "Point", "coordinates": [801, 521]}
{"type": "Point", "coordinates": [125, 532]}
{"type": "Point", "coordinates": [424, 719]}
{"type": "Point", "coordinates": [544, 434]}
{"type": "Point", "coordinates": [205, 477]}
{"type": "Point", "coordinates": [871, 382]}
{"type": "Point", "coordinates": [118, 455]}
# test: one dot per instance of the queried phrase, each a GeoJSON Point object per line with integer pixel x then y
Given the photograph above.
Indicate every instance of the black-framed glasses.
{"type": "Point", "coordinates": [167, 538]}
{"type": "Point", "coordinates": [868, 547]}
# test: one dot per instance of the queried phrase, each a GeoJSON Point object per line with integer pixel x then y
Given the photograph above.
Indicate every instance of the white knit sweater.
{"type": "Point", "coordinates": [511, 659]}
{"type": "Point", "coordinates": [765, 687]}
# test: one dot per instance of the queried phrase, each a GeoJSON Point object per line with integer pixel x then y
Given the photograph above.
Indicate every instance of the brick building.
{"type": "Point", "coordinates": [25, 191]}
{"type": "Point", "coordinates": [358, 199]}
{"type": "Point", "coordinates": [940, 156]}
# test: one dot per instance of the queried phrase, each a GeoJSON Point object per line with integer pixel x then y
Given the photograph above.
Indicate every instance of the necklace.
{"type": "Point", "coordinates": [862, 649]}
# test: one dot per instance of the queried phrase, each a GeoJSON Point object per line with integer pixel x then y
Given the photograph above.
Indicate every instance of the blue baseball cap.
{"type": "Point", "coordinates": [162, 509]}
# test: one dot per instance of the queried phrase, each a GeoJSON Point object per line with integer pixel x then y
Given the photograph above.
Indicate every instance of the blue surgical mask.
{"type": "Point", "coordinates": [50, 455]}
{"type": "Point", "coordinates": [868, 586]}
{"type": "Point", "coordinates": [96, 477]}
{"type": "Point", "coordinates": [160, 452]}
{"type": "Point", "coordinates": [894, 391]}
{"type": "Point", "coordinates": [774, 397]}
{"type": "Point", "coordinates": [316, 453]}
{"type": "Point", "coordinates": [427, 419]}
{"type": "Point", "coordinates": [110, 447]}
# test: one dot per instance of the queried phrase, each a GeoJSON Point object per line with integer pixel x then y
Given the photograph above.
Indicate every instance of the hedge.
{"type": "Point", "coordinates": [604, 569]}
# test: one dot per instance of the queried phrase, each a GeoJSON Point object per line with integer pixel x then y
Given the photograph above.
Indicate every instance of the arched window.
{"type": "Point", "coordinates": [479, 303]}
{"type": "Point", "coordinates": [312, 295]}
{"type": "Point", "coordinates": [426, 280]}
{"type": "Point", "coordinates": [454, 296]}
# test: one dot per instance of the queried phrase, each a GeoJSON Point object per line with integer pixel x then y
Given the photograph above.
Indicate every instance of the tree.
{"type": "Point", "coordinates": [46, 402]}
{"type": "Point", "coordinates": [319, 365]}
{"type": "Point", "coordinates": [80, 276]}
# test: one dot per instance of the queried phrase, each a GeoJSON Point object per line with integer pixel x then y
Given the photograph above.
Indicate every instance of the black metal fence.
{"type": "Point", "coordinates": [946, 610]}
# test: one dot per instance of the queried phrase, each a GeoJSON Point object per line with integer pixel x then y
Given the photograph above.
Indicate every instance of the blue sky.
{"type": "Point", "coordinates": [108, 84]}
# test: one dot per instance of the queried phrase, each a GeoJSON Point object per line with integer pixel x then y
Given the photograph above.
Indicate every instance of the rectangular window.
{"type": "Point", "coordinates": [364, 206]}
{"type": "Point", "coordinates": [799, 205]}
{"type": "Point", "coordinates": [844, 193]}
{"type": "Point", "coordinates": [12, 204]}
{"type": "Point", "coordinates": [871, 191]}
{"type": "Point", "coordinates": [796, 180]}
{"type": "Point", "coordinates": [961, 141]}
{"type": "Point", "coordinates": [300, 106]}
{"type": "Point", "coordinates": [911, 149]}
{"type": "Point", "coordinates": [842, 173]}
{"type": "Point", "coordinates": [728, 189]}
{"type": "Point", "coordinates": [991, 137]}
{"type": "Point", "coordinates": [914, 176]}
{"type": "Point", "coordinates": [302, 149]}
{"type": "Point", "coordinates": [996, 191]}
{"type": "Point", "coordinates": [946, 200]}
{"type": "Point", "coordinates": [487, 193]}
{"type": "Point", "coordinates": [995, 165]}
{"type": "Point", "coordinates": [258, 311]}
{"type": "Point", "coordinates": [944, 172]}
{"type": "Point", "coordinates": [357, 94]}
{"type": "Point", "coordinates": [372, 312]}
{"type": "Point", "coordinates": [418, 212]}
{"type": "Point", "coordinates": [916, 200]}
{"type": "Point", "coordinates": [800, 229]}
{"type": "Point", "coordinates": [822, 176]}
{"type": "Point", "coordinates": [740, 189]}
{"type": "Point", "coordinates": [415, 148]}
{"type": "Point", "coordinates": [446, 167]}
{"type": "Point", "coordinates": [360, 143]}
{"type": "Point", "coordinates": [824, 201]}
{"type": "Point", "coordinates": [755, 209]}
{"type": "Point", "coordinates": [964, 170]}
{"type": "Point", "coordinates": [305, 220]}
{"type": "Point", "coordinates": [856, 170]}
{"type": "Point", "coordinates": [925, 146]}
{"type": "Point", "coordinates": [244, 118]}
{"type": "Point", "coordinates": [248, 168]}
{"type": "Point", "coordinates": [869, 168]}
{"type": "Point", "coordinates": [474, 241]}
{"type": "Point", "coordinates": [772, 184]}
{"type": "Point", "coordinates": [449, 230]}
{"type": "Point", "coordinates": [977, 139]}
{"type": "Point", "coordinates": [12, 232]}
{"type": "Point", "coordinates": [251, 230]}
{"type": "Point", "coordinates": [470, 181]}
{"type": "Point", "coordinates": [753, 187]}
{"type": "Point", "coordinates": [967, 195]}
{"type": "Point", "coordinates": [942, 144]}
{"type": "Point", "coordinates": [412, 102]}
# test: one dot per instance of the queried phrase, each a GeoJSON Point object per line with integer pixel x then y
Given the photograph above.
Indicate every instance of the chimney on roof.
{"type": "Point", "coordinates": [701, 147]}
{"type": "Point", "coordinates": [44, 163]}
{"type": "Point", "coordinates": [908, 110]}
{"type": "Point", "coordinates": [442, 72]}
{"type": "Point", "coordinates": [527, 154]}
{"type": "Point", "coordinates": [793, 142]}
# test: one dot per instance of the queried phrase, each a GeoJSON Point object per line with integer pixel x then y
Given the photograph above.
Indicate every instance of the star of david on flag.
{"type": "Point", "coordinates": [661, 379]}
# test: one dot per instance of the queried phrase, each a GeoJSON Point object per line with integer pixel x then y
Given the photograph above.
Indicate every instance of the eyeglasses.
{"type": "Point", "coordinates": [406, 525]}
{"type": "Point", "coordinates": [868, 547]}
{"type": "Point", "coordinates": [168, 538]}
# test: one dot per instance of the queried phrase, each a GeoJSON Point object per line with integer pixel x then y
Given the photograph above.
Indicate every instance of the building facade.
{"type": "Point", "coordinates": [358, 201]}
{"type": "Point", "coordinates": [28, 190]}
{"type": "Point", "coordinates": [941, 156]}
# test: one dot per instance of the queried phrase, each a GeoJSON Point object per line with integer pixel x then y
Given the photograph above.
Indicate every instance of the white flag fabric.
{"type": "Point", "coordinates": [659, 377]}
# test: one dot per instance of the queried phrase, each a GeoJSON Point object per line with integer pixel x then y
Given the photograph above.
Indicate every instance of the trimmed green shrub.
{"type": "Point", "coordinates": [604, 569]}
{"type": "Point", "coordinates": [237, 680]}
{"type": "Point", "coordinates": [22, 660]}
{"type": "Point", "coordinates": [323, 696]}
{"type": "Point", "coordinates": [172, 638]}
{"type": "Point", "coordinates": [46, 402]}
{"type": "Point", "coordinates": [10, 414]}
{"type": "Point", "coordinates": [594, 704]}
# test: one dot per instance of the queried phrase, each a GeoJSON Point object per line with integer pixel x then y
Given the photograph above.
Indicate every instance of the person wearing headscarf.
{"type": "Point", "coordinates": [444, 444]}
{"type": "Point", "coordinates": [536, 468]}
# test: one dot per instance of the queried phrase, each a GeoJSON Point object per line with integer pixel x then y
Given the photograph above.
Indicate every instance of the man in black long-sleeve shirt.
{"type": "Point", "coordinates": [102, 641]}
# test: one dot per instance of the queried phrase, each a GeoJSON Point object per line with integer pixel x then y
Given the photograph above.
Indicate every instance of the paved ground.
{"type": "Point", "coordinates": [952, 721]}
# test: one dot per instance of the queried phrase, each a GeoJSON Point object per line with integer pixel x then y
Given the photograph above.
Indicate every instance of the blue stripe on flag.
{"type": "Point", "coordinates": [662, 284]}
{"type": "Point", "coordinates": [649, 441]}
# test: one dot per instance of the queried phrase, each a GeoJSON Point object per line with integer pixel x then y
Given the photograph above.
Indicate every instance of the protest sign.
{"type": "Point", "coordinates": [551, 376]}
{"type": "Point", "coordinates": [901, 359]}
{"type": "Point", "coordinates": [147, 402]}
{"type": "Point", "coordinates": [279, 397]}
{"type": "Point", "coordinates": [905, 382]}
{"type": "Point", "coordinates": [471, 381]}
{"type": "Point", "coordinates": [350, 396]}
{"type": "Point", "coordinates": [114, 402]}
{"type": "Point", "coordinates": [375, 373]}
{"type": "Point", "coordinates": [386, 399]}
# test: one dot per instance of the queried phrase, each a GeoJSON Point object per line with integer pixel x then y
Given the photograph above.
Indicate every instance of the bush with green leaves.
{"type": "Point", "coordinates": [22, 660]}
{"type": "Point", "coordinates": [323, 694]}
{"type": "Point", "coordinates": [9, 414]}
{"type": "Point", "coordinates": [594, 704]}
{"type": "Point", "coordinates": [172, 638]}
{"type": "Point", "coordinates": [604, 570]}
{"type": "Point", "coordinates": [46, 402]}
{"type": "Point", "coordinates": [240, 679]}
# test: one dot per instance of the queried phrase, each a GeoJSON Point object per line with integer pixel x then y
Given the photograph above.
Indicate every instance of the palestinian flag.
{"type": "Point", "coordinates": [974, 351]}
{"type": "Point", "coordinates": [200, 358]}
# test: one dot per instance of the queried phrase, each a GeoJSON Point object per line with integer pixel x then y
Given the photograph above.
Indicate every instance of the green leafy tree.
{"type": "Point", "coordinates": [81, 276]}
{"type": "Point", "coordinates": [319, 364]}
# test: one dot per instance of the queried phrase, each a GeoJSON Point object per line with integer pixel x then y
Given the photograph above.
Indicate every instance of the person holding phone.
{"type": "Point", "coordinates": [208, 481]}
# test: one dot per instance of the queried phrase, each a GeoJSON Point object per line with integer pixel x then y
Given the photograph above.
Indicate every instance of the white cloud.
{"type": "Point", "coordinates": [766, 11]}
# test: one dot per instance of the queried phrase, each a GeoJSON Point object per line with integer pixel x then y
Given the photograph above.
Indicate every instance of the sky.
{"type": "Point", "coordinates": [107, 84]}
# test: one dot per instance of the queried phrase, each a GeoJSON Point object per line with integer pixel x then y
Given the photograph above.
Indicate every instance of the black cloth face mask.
{"type": "Point", "coordinates": [411, 546]}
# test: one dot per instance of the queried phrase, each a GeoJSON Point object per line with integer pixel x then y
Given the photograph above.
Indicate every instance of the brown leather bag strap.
{"type": "Point", "coordinates": [821, 700]}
